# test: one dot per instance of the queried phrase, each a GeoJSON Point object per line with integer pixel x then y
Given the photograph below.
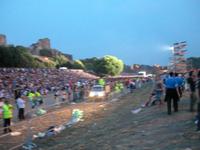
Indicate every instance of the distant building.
{"type": "Point", "coordinates": [46, 44]}
{"type": "Point", "coordinates": [2, 39]}
{"type": "Point", "coordinates": [41, 44]}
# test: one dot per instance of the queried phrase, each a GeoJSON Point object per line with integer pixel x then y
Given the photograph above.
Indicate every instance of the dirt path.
{"type": "Point", "coordinates": [115, 127]}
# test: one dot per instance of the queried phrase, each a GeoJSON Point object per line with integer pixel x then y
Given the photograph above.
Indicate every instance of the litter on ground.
{"type": "Point", "coordinates": [135, 111]}
{"type": "Point", "coordinates": [40, 112]}
{"type": "Point", "coordinates": [15, 133]}
{"type": "Point", "coordinates": [77, 116]}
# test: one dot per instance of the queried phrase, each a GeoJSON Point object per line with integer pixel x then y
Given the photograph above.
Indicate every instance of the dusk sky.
{"type": "Point", "coordinates": [136, 31]}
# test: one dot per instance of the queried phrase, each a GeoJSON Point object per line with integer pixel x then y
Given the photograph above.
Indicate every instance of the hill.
{"type": "Point", "coordinates": [19, 56]}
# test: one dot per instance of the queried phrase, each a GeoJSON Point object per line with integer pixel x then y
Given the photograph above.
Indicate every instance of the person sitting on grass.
{"type": "Point", "coordinates": [155, 96]}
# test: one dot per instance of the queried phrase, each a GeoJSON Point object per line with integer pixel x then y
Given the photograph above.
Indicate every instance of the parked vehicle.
{"type": "Point", "coordinates": [97, 92]}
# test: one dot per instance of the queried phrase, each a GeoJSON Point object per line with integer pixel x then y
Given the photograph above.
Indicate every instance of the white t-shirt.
{"type": "Point", "coordinates": [20, 103]}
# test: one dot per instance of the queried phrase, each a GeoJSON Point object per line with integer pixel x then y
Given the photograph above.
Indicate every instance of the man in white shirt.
{"type": "Point", "coordinates": [21, 107]}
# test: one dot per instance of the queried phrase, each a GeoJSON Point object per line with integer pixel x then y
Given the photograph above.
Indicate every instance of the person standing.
{"type": "Point", "coordinates": [180, 82]}
{"type": "Point", "coordinates": [21, 107]}
{"type": "Point", "coordinates": [171, 93]}
{"type": "Point", "coordinates": [198, 105]}
{"type": "Point", "coordinates": [7, 116]}
{"type": "Point", "coordinates": [198, 85]}
{"type": "Point", "coordinates": [31, 97]}
{"type": "Point", "coordinates": [38, 98]}
{"type": "Point", "coordinates": [191, 81]}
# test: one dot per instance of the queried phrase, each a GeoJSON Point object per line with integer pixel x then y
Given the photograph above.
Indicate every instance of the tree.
{"type": "Point", "coordinates": [18, 56]}
{"type": "Point", "coordinates": [60, 60]}
{"type": "Point", "coordinates": [193, 62]}
{"type": "Point", "coordinates": [110, 65]}
{"type": "Point", "coordinates": [68, 64]}
{"type": "Point", "coordinates": [78, 65]}
{"type": "Point", "coordinates": [90, 63]}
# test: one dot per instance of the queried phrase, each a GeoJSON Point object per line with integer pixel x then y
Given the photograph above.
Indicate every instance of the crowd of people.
{"type": "Point", "coordinates": [17, 85]}
{"type": "Point", "coordinates": [43, 80]}
{"type": "Point", "coordinates": [169, 88]}
{"type": "Point", "coordinates": [21, 85]}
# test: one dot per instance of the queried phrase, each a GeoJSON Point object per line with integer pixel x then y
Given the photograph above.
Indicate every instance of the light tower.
{"type": "Point", "coordinates": [178, 60]}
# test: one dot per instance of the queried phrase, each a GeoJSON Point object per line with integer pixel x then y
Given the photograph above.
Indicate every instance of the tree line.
{"type": "Point", "coordinates": [20, 57]}
{"type": "Point", "coordinates": [193, 63]}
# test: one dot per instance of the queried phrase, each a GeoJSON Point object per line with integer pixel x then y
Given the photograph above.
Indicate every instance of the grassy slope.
{"type": "Point", "coordinates": [115, 127]}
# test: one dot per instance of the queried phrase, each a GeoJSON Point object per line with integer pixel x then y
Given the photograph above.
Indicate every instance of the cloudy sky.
{"type": "Point", "coordinates": [136, 31]}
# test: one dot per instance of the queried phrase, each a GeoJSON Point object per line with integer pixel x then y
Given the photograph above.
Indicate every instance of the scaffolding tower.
{"type": "Point", "coordinates": [178, 61]}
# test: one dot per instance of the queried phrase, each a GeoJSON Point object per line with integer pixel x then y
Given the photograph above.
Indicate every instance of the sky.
{"type": "Point", "coordinates": [136, 31]}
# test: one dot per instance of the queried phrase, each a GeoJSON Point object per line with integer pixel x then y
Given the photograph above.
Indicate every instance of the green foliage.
{"type": "Point", "coordinates": [14, 56]}
{"type": "Point", "coordinates": [193, 62]}
{"type": "Point", "coordinates": [91, 63]}
{"type": "Point", "coordinates": [78, 65]}
{"type": "Point", "coordinates": [18, 56]}
{"type": "Point", "coordinates": [60, 60]}
{"type": "Point", "coordinates": [110, 65]}
{"type": "Point", "coordinates": [68, 64]}
{"type": "Point", "coordinates": [46, 52]}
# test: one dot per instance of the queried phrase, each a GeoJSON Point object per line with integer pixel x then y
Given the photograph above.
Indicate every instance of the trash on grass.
{"type": "Point", "coordinates": [40, 112]}
{"type": "Point", "coordinates": [50, 131]}
{"type": "Point", "coordinates": [41, 134]}
{"type": "Point", "coordinates": [77, 116]}
{"type": "Point", "coordinates": [29, 146]}
{"type": "Point", "coordinates": [15, 133]}
{"type": "Point", "coordinates": [59, 128]}
{"type": "Point", "coordinates": [135, 111]}
{"type": "Point", "coordinates": [143, 105]}
{"type": "Point", "coordinates": [114, 100]}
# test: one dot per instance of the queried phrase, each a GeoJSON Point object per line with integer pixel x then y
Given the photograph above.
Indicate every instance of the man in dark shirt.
{"type": "Point", "coordinates": [198, 84]}
{"type": "Point", "coordinates": [198, 105]}
{"type": "Point", "coordinates": [193, 98]}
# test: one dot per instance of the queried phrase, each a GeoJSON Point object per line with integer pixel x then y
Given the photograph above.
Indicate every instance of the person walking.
{"type": "Point", "coordinates": [171, 93]}
{"type": "Point", "coordinates": [7, 116]}
{"type": "Point", "coordinates": [192, 83]}
{"type": "Point", "coordinates": [21, 107]}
